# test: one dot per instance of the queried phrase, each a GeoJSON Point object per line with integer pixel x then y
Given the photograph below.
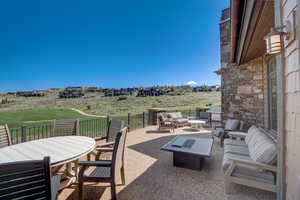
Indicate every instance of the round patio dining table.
{"type": "Point", "coordinates": [61, 150]}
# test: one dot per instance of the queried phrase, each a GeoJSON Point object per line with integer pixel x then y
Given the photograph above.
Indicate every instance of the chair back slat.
{"type": "Point", "coordinates": [118, 152]}
{"type": "Point", "coordinates": [65, 127]}
{"type": "Point", "coordinates": [114, 127]}
{"type": "Point", "coordinates": [5, 139]}
{"type": "Point", "coordinates": [26, 180]}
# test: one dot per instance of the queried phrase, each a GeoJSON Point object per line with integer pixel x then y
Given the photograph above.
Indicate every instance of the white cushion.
{"type": "Point", "coordinates": [235, 149]}
{"type": "Point", "coordinates": [232, 124]}
{"type": "Point", "coordinates": [263, 150]}
{"type": "Point", "coordinates": [252, 132]}
{"type": "Point", "coordinates": [175, 115]}
{"type": "Point", "coordinates": [235, 142]}
{"type": "Point", "coordinates": [237, 134]}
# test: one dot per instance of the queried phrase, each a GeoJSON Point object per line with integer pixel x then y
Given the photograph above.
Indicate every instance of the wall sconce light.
{"type": "Point", "coordinates": [274, 42]}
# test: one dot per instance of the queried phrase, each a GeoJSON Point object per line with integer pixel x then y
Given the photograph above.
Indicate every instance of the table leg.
{"type": "Point", "coordinates": [70, 175]}
{"type": "Point", "coordinates": [76, 169]}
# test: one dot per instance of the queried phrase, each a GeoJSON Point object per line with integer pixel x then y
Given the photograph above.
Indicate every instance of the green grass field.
{"type": "Point", "coordinates": [40, 110]}
{"type": "Point", "coordinates": [26, 117]}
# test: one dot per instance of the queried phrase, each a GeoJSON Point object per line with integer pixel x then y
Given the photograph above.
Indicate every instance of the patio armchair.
{"type": "Point", "coordinates": [114, 127]}
{"type": "Point", "coordinates": [165, 123]}
{"type": "Point", "coordinates": [178, 119]}
{"type": "Point", "coordinates": [251, 162]}
{"type": "Point", "coordinates": [105, 170]}
{"type": "Point", "coordinates": [206, 116]}
{"type": "Point", "coordinates": [28, 180]}
{"type": "Point", "coordinates": [230, 126]}
{"type": "Point", "coordinates": [65, 127]}
{"type": "Point", "coordinates": [5, 139]}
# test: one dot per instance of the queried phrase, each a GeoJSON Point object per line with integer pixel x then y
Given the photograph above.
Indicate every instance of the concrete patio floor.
{"type": "Point", "coordinates": [150, 174]}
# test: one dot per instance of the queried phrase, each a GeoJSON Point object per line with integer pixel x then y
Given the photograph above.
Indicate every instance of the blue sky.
{"type": "Point", "coordinates": [120, 43]}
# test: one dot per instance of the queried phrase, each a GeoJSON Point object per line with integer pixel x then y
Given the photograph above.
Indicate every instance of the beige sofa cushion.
{"type": "Point", "coordinates": [252, 135]}
{"type": "Point", "coordinates": [235, 142]}
{"type": "Point", "coordinates": [175, 115]}
{"type": "Point", "coordinates": [236, 149]}
{"type": "Point", "coordinates": [181, 120]}
{"type": "Point", "coordinates": [232, 124]}
{"type": "Point", "coordinates": [228, 157]}
{"type": "Point", "coordinates": [263, 149]}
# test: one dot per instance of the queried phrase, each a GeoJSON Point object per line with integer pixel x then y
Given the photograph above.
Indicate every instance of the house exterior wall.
{"type": "Point", "coordinates": [244, 96]}
{"type": "Point", "coordinates": [243, 86]}
{"type": "Point", "coordinates": [243, 92]}
{"type": "Point", "coordinates": [292, 106]}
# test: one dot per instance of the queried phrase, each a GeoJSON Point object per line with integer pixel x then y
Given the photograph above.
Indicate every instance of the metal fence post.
{"type": "Point", "coordinates": [23, 134]}
{"type": "Point", "coordinates": [128, 120]}
{"type": "Point", "coordinates": [107, 124]}
{"type": "Point", "coordinates": [143, 119]}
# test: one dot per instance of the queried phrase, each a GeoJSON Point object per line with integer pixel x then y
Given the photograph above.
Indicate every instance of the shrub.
{"type": "Point", "coordinates": [122, 98]}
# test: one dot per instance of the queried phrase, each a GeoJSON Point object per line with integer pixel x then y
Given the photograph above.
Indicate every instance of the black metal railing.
{"type": "Point", "coordinates": [93, 127]}
{"type": "Point", "coordinates": [28, 133]}
{"type": "Point", "coordinates": [96, 127]}
{"type": "Point", "coordinates": [137, 121]}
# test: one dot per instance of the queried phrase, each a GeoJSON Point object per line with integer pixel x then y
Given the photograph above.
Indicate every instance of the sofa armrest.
{"type": "Point", "coordinates": [219, 126]}
{"type": "Point", "coordinates": [255, 164]}
{"type": "Point", "coordinates": [237, 134]}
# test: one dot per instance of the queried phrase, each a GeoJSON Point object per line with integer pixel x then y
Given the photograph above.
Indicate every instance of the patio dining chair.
{"type": "Point", "coordinates": [205, 116]}
{"type": "Point", "coordinates": [5, 139]}
{"type": "Point", "coordinates": [28, 180]}
{"type": "Point", "coordinates": [105, 170]}
{"type": "Point", "coordinates": [65, 127]}
{"type": "Point", "coordinates": [114, 126]}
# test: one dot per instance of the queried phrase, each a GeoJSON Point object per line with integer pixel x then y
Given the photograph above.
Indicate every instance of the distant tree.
{"type": "Point", "coordinates": [205, 88]}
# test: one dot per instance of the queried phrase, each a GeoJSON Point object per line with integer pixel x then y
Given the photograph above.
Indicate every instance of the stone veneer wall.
{"type": "Point", "coordinates": [292, 107]}
{"type": "Point", "coordinates": [243, 92]}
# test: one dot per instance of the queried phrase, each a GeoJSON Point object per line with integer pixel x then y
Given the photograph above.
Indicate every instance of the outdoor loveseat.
{"type": "Point", "coordinates": [177, 118]}
{"type": "Point", "coordinates": [251, 161]}
{"type": "Point", "coordinates": [164, 122]}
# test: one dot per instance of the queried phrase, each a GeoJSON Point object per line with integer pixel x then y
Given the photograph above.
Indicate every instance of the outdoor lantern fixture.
{"type": "Point", "coordinates": [274, 41]}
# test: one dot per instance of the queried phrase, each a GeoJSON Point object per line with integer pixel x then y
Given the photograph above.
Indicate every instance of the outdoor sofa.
{"type": "Point", "coordinates": [252, 161]}
{"type": "Point", "coordinates": [165, 123]}
{"type": "Point", "coordinates": [178, 119]}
